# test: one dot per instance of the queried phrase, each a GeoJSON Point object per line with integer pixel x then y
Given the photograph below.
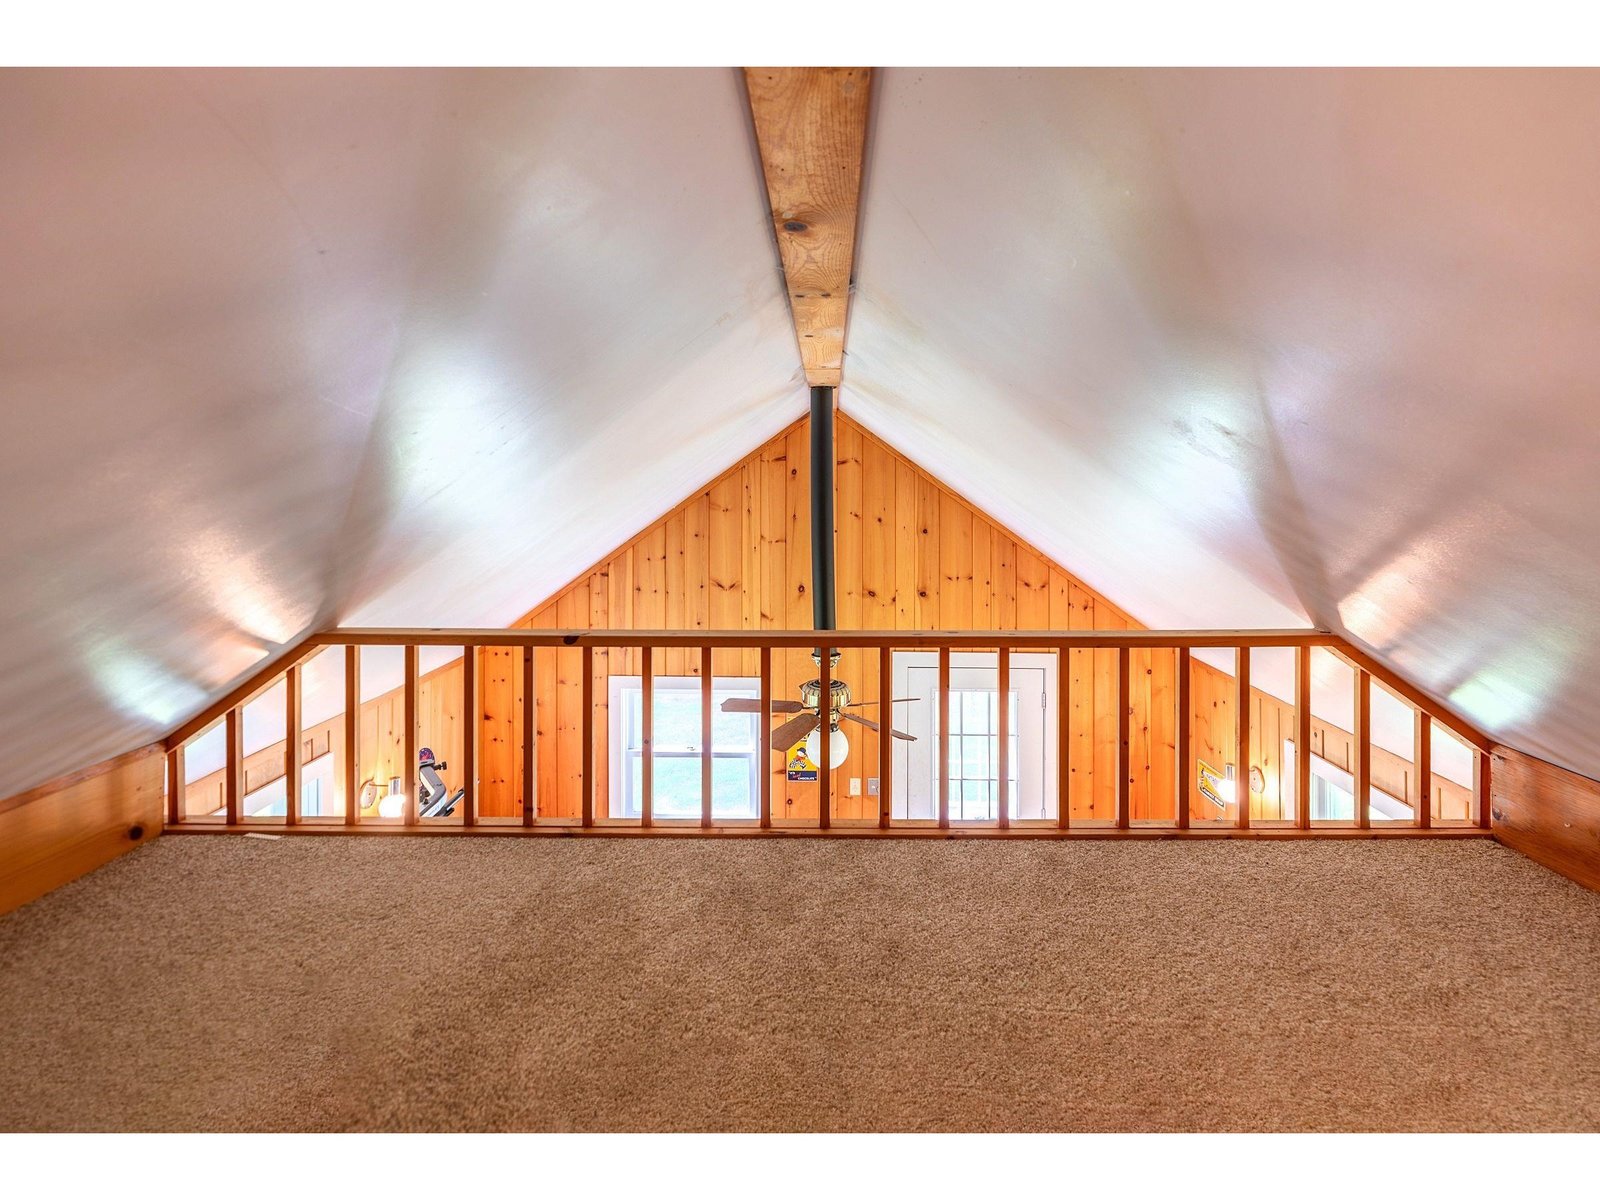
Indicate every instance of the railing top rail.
{"type": "Point", "coordinates": [844, 639]}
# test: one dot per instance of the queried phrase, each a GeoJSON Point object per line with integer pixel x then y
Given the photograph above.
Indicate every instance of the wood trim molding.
{"type": "Point", "coordinates": [811, 131]}
{"type": "Point", "coordinates": [71, 779]}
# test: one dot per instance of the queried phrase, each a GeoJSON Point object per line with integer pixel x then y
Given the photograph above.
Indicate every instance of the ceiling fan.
{"type": "Point", "coordinates": [808, 723]}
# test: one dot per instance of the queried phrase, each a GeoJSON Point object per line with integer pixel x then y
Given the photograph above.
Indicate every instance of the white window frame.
{"type": "Point", "coordinates": [627, 758]}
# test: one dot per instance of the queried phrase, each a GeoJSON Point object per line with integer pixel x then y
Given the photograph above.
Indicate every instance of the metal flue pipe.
{"type": "Point", "coordinates": [822, 608]}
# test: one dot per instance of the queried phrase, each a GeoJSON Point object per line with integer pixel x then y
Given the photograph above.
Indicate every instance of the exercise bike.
{"type": "Point", "coordinates": [434, 798]}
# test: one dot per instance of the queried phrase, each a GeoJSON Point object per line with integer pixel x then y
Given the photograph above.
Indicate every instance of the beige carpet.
{"type": "Point", "coordinates": [333, 983]}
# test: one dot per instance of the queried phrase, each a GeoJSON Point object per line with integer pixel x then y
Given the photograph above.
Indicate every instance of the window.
{"type": "Point", "coordinates": [1333, 792]}
{"type": "Point", "coordinates": [735, 749]}
{"type": "Point", "coordinates": [975, 753]}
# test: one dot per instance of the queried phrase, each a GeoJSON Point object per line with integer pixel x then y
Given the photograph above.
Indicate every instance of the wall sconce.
{"type": "Point", "coordinates": [1258, 781]}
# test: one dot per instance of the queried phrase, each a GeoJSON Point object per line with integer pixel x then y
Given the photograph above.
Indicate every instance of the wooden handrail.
{"type": "Point", "coordinates": [842, 639]}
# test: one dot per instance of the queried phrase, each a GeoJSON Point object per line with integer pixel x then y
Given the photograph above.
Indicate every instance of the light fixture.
{"type": "Point", "coordinates": [838, 746]}
{"type": "Point", "coordinates": [393, 804]}
{"type": "Point", "coordinates": [1258, 780]}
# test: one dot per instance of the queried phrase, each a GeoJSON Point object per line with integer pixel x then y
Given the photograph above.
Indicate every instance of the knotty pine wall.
{"type": "Point", "coordinates": [737, 555]}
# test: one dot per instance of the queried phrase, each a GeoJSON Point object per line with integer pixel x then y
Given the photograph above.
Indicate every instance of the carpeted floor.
{"type": "Point", "coordinates": [345, 983]}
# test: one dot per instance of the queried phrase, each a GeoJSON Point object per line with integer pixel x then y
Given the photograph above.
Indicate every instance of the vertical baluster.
{"type": "Point", "coordinates": [1483, 787]}
{"type": "Point", "coordinates": [1241, 757]}
{"type": "Point", "coordinates": [530, 734]}
{"type": "Point", "coordinates": [1124, 755]}
{"type": "Point", "coordinates": [825, 738]}
{"type": "Point", "coordinates": [647, 719]}
{"type": "Point", "coordinates": [1302, 737]}
{"type": "Point", "coordinates": [1185, 735]}
{"type": "Point", "coordinates": [1422, 817]}
{"type": "Point", "coordinates": [707, 781]}
{"type": "Point", "coordinates": [175, 769]}
{"type": "Point", "coordinates": [1003, 767]}
{"type": "Point", "coordinates": [944, 737]}
{"type": "Point", "coordinates": [233, 781]}
{"type": "Point", "coordinates": [291, 757]}
{"type": "Point", "coordinates": [587, 738]}
{"type": "Point", "coordinates": [352, 735]}
{"type": "Point", "coordinates": [886, 721]}
{"type": "Point", "coordinates": [1363, 748]}
{"type": "Point", "coordinates": [1063, 737]}
{"type": "Point", "coordinates": [408, 739]}
{"type": "Point", "coordinates": [469, 734]}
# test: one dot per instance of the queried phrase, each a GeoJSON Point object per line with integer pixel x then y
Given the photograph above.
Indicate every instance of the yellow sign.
{"type": "Point", "coordinates": [801, 768]}
{"type": "Point", "coordinates": [1213, 786]}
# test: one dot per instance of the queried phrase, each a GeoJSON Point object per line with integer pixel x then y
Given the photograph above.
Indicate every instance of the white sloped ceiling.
{"type": "Point", "coordinates": [286, 349]}
{"type": "Point", "coordinates": [1265, 348]}
{"type": "Point", "coordinates": [280, 349]}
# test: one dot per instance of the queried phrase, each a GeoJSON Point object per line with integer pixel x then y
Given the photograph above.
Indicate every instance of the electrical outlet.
{"type": "Point", "coordinates": [855, 785]}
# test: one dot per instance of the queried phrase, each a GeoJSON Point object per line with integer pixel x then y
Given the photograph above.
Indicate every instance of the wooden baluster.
{"type": "Point", "coordinates": [1063, 737]}
{"type": "Point", "coordinates": [469, 734]}
{"type": "Point", "coordinates": [408, 740]}
{"type": "Point", "coordinates": [587, 737]}
{"type": "Point", "coordinates": [233, 781]}
{"type": "Point", "coordinates": [1124, 747]}
{"type": "Point", "coordinates": [530, 734]}
{"type": "Point", "coordinates": [944, 737]}
{"type": "Point", "coordinates": [647, 724]}
{"type": "Point", "coordinates": [1363, 748]}
{"type": "Point", "coordinates": [825, 738]}
{"type": "Point", "coordinates": [1185, 736]}
{"type": "Point", "coordinates": [1003, 766]}
{"type": "Point", "coordinates": [175, 813]}
{"type": "Point", "coordinates": [1241, 758]}
{"type": "Point", "coordinates": [352, 735]}
{"type": "Point", "coordinates": [291, 757]}
{"type": "Point", "coordinates": [886, 720]}
{"type": "Point", "coordinates": [1422, 816]}
{"type": "Point", "coordinates": [707, 780]}
{"type": "Point", "coordinates": [1483, 787]}
{"type": "Point", "coordinates": [1302, 737]}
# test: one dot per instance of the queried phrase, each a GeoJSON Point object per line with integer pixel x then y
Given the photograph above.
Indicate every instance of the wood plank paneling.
{"type": "Point", "coordinates": [53, 833]}
{"type": "Point", "coordinates": [1550, 814]}
{"type": "Point", "coordinates": [910, 555]}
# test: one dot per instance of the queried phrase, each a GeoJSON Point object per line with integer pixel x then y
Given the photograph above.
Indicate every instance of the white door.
{"type": "Point", "coordinates": [975, 737]}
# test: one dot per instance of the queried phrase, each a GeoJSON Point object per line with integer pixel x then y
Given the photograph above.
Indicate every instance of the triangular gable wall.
{"type": "Point", "coordinates": [911, 554]}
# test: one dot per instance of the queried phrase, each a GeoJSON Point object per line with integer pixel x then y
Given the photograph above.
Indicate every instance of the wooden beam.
{"type": "Point", "coordinates": [811, 130]}
{"type": "Point", "coordinates": [291, 749]}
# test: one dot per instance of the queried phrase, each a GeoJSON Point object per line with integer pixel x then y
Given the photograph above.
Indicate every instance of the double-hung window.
{"type": "Point", "coordinates": [735, 748]}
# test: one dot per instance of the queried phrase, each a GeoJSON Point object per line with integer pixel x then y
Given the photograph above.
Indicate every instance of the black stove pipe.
{"type": "Point", "coordinates": [822, 609]}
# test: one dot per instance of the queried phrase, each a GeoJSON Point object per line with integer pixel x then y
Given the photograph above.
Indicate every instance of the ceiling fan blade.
{"type": "Point", "coordinates": [751, 704]}
{"type": "Point", "coordinates": [896, 700]}
{"type": "Point", "coordinates": [792, 730]}
{"type": "Point", "coordinates": [904, 737]}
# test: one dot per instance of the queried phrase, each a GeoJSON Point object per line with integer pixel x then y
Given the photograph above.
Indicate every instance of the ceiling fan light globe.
{"type": "Point", "coordinates": [838, 747]}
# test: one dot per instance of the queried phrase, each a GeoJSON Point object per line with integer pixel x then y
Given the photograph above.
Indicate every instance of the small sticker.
{"type": "Point", "coordinates": [801, 768]}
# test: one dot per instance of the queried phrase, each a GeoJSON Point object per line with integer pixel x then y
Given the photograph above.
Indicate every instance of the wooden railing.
{"type": "Point", "coordinates": [592, 813]}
